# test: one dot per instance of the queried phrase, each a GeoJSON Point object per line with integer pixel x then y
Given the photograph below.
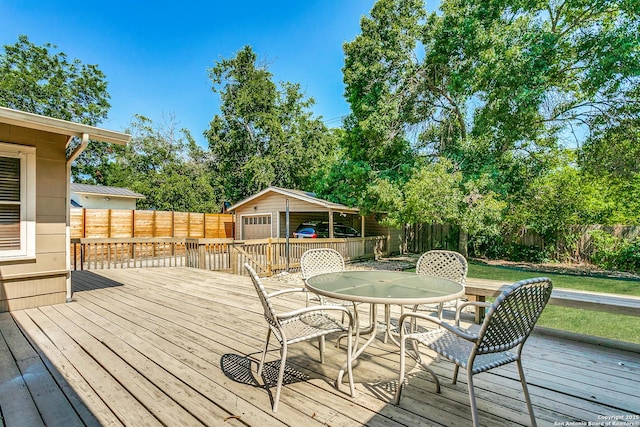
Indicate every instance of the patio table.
{"type": "Point", "coordinates": [382, 287]}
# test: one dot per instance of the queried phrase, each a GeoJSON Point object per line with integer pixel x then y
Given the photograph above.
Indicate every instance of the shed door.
{"type": "Point", "coordinates": [256, 227]}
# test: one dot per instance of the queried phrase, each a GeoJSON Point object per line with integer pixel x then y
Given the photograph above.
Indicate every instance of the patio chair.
{"type": "Point", "coordinates": [300, 325]}
{"type": "Point", "coordinates": [319, 261]}
{"type": "Point", "coordinates": [506, 327]}
{"type": "Point", "coordinates": [446, 264]}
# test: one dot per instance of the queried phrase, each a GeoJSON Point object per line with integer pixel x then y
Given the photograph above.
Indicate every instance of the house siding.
{"type": "Point", "coordinates": [40, 281]}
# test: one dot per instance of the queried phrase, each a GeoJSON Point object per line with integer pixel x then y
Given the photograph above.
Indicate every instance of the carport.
{"type": "Point", "coordinates": [276, 212]}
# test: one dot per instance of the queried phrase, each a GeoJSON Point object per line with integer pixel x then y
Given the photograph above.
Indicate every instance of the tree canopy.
{"type": "Point", "coordinates": [500, 89]}
{"type": "Point", "coordinates": [40, 80]}
{"type": "Point", "coordinates": [265, 134]}
{"type": "Point", "coordinates": [37, 80]}
{"type": "Point", "coordinates": [165, 164]}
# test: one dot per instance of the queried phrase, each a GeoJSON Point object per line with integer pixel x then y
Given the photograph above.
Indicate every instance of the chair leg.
{"type": "Point", "coordinates": [403, 345]}
{"type": "Point", "coordinates": [356, 322]}
{"type": "Point", "coordinates": [472, 399]}
{"type": "Point", "coordinates": [456, 368]}
{"type": "Point", "coordinates": [440, 308]}
{"type": "Point", "coordinates": [264, 352]}
{"type": "Point", "coordinates": [527, 397]}
{"type": "Point", "coordinates": [387, 321]}
{"type": "Point", "coordinates": [283, 363]}
{"type": "Point", "coordinates": [321, 345]}
{"type": "Point", "coordinates": [350, 362]}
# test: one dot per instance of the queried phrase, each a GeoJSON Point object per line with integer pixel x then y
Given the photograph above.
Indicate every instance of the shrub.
{"type": "Point", "coordinates": [517, 252]}
{"type": "Point", "coordinates": [614, 253]}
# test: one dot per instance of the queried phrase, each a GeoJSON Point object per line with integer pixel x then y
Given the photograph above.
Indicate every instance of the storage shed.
{"type": "Point", "coordinates": [103, 197]}
{"type": "Point", "coordinates": [264, 214]}
{"type": "Point", "coordinates": [35, 171]}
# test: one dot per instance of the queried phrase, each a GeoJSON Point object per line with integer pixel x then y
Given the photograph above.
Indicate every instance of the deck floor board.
{"type": "Point", "coordinates": [180, 346]}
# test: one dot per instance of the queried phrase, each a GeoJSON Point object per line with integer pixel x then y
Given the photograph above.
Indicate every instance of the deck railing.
{"type": "Point", "coordinates": [105, 253]}
{"type": "Point", "coordinates": [268, 256]}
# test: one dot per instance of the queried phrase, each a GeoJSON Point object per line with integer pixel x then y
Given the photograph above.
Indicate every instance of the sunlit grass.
{"type": "Point", "coordinates": [569, 281]}
{"type": "Point", "coordinates": [595, 323]}
{"type": "Point", "coordinates": [606, 325]}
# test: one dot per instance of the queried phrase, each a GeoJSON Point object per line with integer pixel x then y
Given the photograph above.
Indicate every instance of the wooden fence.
{"type": "Point", "coordinates": [420, 238]}
{"type": "Point", "coordinates": [123, 223]}
{"type": "Point", "coordinates": [267, 256]}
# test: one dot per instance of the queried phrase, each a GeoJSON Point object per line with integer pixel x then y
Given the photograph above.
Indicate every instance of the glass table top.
{"type": "Point", "coordinates": [385, 287]}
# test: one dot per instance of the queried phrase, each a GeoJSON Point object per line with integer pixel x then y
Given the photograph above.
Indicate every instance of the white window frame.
{"type": "Point", "coordinates": [27, 156]}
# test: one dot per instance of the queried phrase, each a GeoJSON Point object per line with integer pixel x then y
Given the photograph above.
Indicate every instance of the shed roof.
{"type": "Point", "coordinates": [104, 190]}
{"type": "Point", "coordinates": [60, 127]}
{"type": "Point", "coordinates": [306, 196]}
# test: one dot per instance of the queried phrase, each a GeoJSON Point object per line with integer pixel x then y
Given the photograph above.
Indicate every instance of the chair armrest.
{"type": "Point", "coordinates": [466, 304]}
{"type": "Point", "coordinates": [285, 291]}
{"type": "Point", "coordinates": [304, 310]}
{"type": "Point", "coordinates": [453, 329]}
{"type": "Point", "coordinates": [477, 303]}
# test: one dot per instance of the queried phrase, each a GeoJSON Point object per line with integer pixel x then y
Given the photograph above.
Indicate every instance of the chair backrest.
{"type": "Point", "coordinates": [269, 312]}
{"type": "Point", "coordinates": [322, 260]}
{"type": "Point", "coordinates": [446, 264]}
{"type": "Point", "coordinates": [513, 315]}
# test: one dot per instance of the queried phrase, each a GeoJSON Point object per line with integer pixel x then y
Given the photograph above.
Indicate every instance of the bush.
{"type": "Point", "coordinates": [526, 253]}
{"type": "Point", "coordinates": [613, 253]}
{"type": "Point", "coordinates": [629, 259]}
{"type": "Point", "coordinates": [497, 248]}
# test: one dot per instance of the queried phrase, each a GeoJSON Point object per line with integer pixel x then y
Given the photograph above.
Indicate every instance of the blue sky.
{"type": "Point", "coordinates": [156, 54]}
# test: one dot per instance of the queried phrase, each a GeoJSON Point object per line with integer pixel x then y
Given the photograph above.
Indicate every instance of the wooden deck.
{"type": "Point", "coordinates": [179, 347]}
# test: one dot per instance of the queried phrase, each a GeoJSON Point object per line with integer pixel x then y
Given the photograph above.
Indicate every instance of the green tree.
{"type": "Point", "coordinates": [167, 166]}
{"type": "Point", "coordinates": [39, 80]}
{"type": "Point", "coordinates": [379, 65]}
{"type": "Point", "coordinates": [265, 134]}
{"type": "Point", "coordinates": [612, 147]}
{"type": "Point", "coordinates": [498, 87]}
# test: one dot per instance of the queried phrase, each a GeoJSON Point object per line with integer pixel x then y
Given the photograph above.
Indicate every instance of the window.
{"type": "Point", "coordinates": [17, 201]}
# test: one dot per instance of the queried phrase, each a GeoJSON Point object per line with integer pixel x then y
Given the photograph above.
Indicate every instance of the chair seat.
{"type": "Point", "coordinates": [308, 326]}
{"type": "Point", "coordinates": [457, 350]}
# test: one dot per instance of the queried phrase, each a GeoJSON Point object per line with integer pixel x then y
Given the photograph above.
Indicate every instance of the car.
{"type": "Point", "coordinates": [321, 229]}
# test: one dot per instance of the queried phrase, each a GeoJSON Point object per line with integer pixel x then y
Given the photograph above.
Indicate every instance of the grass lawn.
{"type": "Point", "coordinates": [613, 326]}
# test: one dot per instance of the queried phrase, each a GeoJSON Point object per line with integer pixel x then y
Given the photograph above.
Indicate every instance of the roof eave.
{"type": "Point", "coordinates": [62, 127]}
{"type": "Point", "coordinates": [121, 196]}
{"type": "Point", "coordinates": [307, 199]}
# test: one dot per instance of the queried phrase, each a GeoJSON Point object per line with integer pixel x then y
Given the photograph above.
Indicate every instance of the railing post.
{"type": "Point", "coordinates": [269, 257]}
{"type": "Point", "coordinates": [233, 258]}
{"type": "Point", "coordinates": [202, 255]}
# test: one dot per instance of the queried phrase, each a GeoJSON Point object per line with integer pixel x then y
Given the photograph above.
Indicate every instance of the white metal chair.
{"type": "Point", "coordinates": [446, 264]}
{"type": "Point", "coordinates": [303, 324]}
{"type": "Point", "coordinates": [506, 327]}
{"type": "Point", "coordinates": [319, 261]}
